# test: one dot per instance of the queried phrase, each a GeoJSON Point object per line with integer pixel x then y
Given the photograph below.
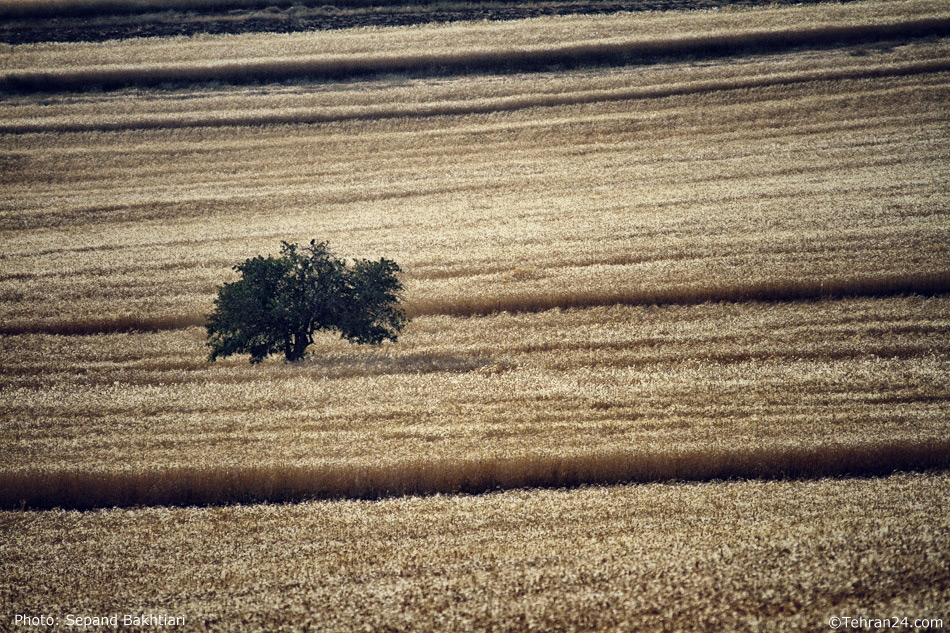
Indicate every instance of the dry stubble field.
{"type": "Point", "coordinates": [723, 263]}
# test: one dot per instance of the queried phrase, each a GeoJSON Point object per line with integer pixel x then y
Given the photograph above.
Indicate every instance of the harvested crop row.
{"type": "Point", "coordinates": [724, 378]}
{"type": "Point", "coordinates": [769, 192]}
{"type": "Point", "coordinates": [106, 121]}
{"type": "Point", "coordinates": [730, 556]}
{"type": "Point", "coordinates": [83, 490]}
{"type": "Point", "coordinates": [419, 98]}
{"type": "Point", "coordinates": [351, 47]}
{"type": "Point", "coordinates": [781, 190]}
{"type": "Point", "coordinates": [885, 285]}
{"type": "Point", "coordinates": [814, 174]}
{"type": "Point", "coordinates": [504, 60]}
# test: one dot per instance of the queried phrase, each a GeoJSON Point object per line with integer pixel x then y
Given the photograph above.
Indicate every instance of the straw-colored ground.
{"type": "Point", "coordinates": [671, 180]}
{"type": "Point", "coordinates": [779, 556]}
{"type": "Point", "coordinates": [787, 206]}
{"type": "Point", "coordinates": [556, 383]}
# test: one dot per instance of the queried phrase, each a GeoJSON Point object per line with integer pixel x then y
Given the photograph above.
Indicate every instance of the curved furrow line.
{"type": "Point", "coordinates": [493, 60]}
{"type": "Point", "coordinates": [306, 116]}
{"type": "Point", "coordinates": [205, 486]}
{"type": "Point", "coordinates": [926, 284]}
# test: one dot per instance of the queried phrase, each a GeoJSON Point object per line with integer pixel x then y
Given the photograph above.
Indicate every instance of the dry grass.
{"type": "Point", "coordinates": [210, 485]}
{"type": "Point", "coordinates": [40, 120]}
{"type": "Point", "coordinates": [745, 377]}
{"type": "Point", "coordinates": [774, 185]}
{"type": "Point", "coordinates": [736, 556]}
{"type": "Point", "coordinates": [923, 284]}
{"type": "Point", "coordinates": [352, 47]}
{"type": "Point", "coordinates": [469, 49]}
{"type": "Point", "coordinates": [787, 290]}
{"type": "Point", "coordinates": [503, 57]}
{"type": "Point", "coordinates": [789, 210]}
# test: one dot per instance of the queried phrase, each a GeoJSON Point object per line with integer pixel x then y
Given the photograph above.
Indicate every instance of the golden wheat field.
{"type": "Point", "coordinates": [775, 556]}
{"type": "Point", "coordinates": [679, 294]}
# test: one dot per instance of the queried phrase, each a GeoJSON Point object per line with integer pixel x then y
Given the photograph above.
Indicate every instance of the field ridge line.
{"type": "Point", "coordinates": [310, 116]}
{"type": "Point", "coordinates": [206, 486]}
{"type": "Point", "coordinates": [926, 284]}
{"type": "Point", "coordinates": [488, 60]}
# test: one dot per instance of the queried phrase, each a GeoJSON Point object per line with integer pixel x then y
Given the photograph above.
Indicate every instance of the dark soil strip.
{"type": "Point", "coordinates": [396, 111]}
{"type": "Point", "coordinates": [924, 284]}
{"type": "Point", "coordinates": [296, 18]}
{"type": "Point", "coordinates": [464, 62]}
{"type": "Point", "coordinates": [208, 486]}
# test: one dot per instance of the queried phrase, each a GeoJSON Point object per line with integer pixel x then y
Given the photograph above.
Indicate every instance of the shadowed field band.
{"type": "Point", "coordinates": [487, 60]}
{"type": "Point", "coordinates": [459, 108]}
{"type": "Point", "coordinates": [925, 284]}
{"type": "Point", "coordinates": [62, 8]}
{"type": "Point", "coordinates": [681, 339]}
{"type": "Point", "coordinates": [83, 490]}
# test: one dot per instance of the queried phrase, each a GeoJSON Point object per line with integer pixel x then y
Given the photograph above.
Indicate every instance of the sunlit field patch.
{"type": "Point", "coordinates": [549, 384]}
{"type": "Point", "coordinates": [738, 556]}
{"type": "Point", "coordinates": [627, 259]}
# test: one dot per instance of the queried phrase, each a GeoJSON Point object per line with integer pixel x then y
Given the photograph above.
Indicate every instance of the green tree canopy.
{"type": "Point", "coordinates": [280, 302]}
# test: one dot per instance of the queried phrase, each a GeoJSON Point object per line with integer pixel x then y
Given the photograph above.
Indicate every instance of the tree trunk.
{"type": "Point", "coordinates": [300, 342]}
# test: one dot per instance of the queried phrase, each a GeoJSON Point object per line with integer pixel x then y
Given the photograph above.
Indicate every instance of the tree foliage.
{"type": "Point", "coordinates": [280, 302]}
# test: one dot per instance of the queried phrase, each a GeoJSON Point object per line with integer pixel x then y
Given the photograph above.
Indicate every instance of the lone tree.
{"type": "Point", "coordinates": [280, 302]}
